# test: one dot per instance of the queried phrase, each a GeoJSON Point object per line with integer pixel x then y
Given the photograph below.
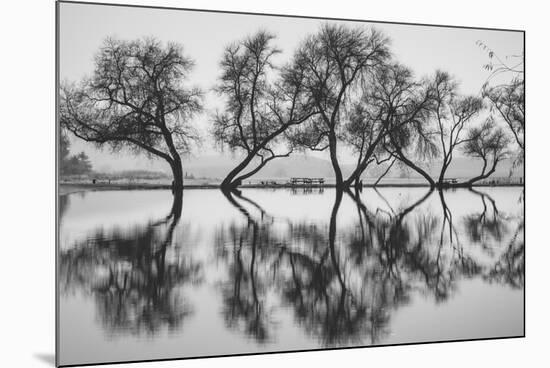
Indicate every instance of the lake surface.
{"type": "Point", "coordinates": [145, 275]}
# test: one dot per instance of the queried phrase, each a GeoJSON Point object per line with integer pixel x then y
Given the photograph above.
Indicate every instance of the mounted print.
{"type": "Point", "coordinates": [234, 183]}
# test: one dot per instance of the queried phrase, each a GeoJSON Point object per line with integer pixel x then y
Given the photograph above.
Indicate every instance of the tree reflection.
{"type": "Point", "coordinates": [133, 275]}
{"type": "Point", "coordinates": [245, 247]}
{"type": "Point", "coordinates": [510, 267]}
{"type": "Point", "coordinates": [343, 281]}
{"type": "Point", "coordinates": [489, 229]}
{"type": "Point", "coordinates": [321, 288]}
{"type": "Point", "coordinates": [63, 205]}
{"type": "Point", "coordinates": [337, 296]}
{"type": "Point", "coordinates": [489, 225]}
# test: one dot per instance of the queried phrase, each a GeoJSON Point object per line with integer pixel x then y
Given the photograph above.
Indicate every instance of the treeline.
{"type": "Point", "coordinates": [78, 164]}
{"type": "Point", "coordinates": [131, 175]}
{"type": "Point", "coordinates": [341, 87]}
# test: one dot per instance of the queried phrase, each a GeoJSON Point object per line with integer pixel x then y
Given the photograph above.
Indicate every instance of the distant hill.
{"type": "Point", "coordinates": [131, 174]}
{"type": "Point", "coordinates": [465, 167]}
{"type": "Point", "coordinates": [307, 166]}
{"type": "Point", "coordinates": [299, 165]}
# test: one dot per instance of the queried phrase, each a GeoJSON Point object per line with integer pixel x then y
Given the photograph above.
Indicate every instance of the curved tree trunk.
{"type": "Point", "coordinates": [177, 172]}
{"type": "Point", "coordinates": [416, 168]}
{"type": "Point", "coordinates": [483, 175]}
{"type": "Point", "coordinates": [175, 162]}
{"type": "Point", "coordinates": [240, 179]}
{"type": "Point", "coordinates": [334, 161]}
{"type": "Point", "coordinates": [384, 173]}
{"type": "Point", "coordinates": [446, 163]}
{"type": "Point", "coordinates": [228, 182]}
{"type": "Point", "coordinates": [401, 156]}
{"type": "Point", "coordinates": [355, 176]}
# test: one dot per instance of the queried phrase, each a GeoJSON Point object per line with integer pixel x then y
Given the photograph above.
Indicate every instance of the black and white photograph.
{"type": "Point", "coordinates": [232, 183]}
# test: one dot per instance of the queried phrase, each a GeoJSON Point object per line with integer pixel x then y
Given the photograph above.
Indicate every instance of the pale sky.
{"type": "Point", "coordinates": [83, 27]}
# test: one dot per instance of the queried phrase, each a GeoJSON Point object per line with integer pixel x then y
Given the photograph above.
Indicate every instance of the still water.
{"type": "Point", "coordinates": [144, 275]}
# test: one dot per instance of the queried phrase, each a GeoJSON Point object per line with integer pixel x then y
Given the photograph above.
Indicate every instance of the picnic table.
{"type": "Point", "coordinates": [307, 181]}
{"type": "Point", "coordinates": [450, 181]}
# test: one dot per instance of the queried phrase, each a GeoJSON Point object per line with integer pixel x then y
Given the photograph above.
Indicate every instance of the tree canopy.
{"type": "Point", "coordinates": [261, 103]}
{"type": "Point", "coordinates": [135, 99]}
{"type": "Point", "coordinates": [72, 164]}
{"type": "Point", "coordinates": [334, 61]}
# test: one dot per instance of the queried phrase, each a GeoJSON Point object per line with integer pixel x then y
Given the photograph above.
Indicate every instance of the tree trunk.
{"type": "Point", "coordinates": [362, 166]}
{"type": "Point", "coordinates": [385, 172]}
{"type": "Point", "coordinates": [177, 172]}
{"type": "Point", "coordinates": [444, 167]}
{"type": "Point", "coordinates": [175, 162]}
{"type": "Point", "coordinates": [240, 179]}
{"type": "Point", "coordinates": [356, 174]}
{"type": "Point", "coordinates": [416, 168]}
{"type": "Point", "coordinates": [334, 161]}
{"type": "Point", "coordinates": [228, 182]}
{"type": "Point", "coordinates": [483, 175]}
{"type": "Point", "coordinates": [401, 156]}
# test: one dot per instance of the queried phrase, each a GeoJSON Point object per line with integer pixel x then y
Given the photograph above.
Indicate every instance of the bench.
{"type": "Point", "coordinates": [307, 181]}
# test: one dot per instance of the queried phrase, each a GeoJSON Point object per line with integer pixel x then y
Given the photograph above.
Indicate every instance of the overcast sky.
{"type": "Point", "coordinates": [83, 27]}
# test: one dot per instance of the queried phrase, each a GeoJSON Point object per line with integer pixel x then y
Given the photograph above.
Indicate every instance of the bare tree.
{"type": "Point", "coordinates": [391, 100]}
{"type": "Point", "coordinates": [509, 101]}
{"type": "Point", "coordinates": [488, 142]}
{"type": "Point", "coordinates": [452, 113]}
{"type": "Point", "coordinates": [507, 98]}
{"type": "Point", "coordinates": [262, 103]}
{"type": "Point", "coordinates": [136, 99]}
{"type": "Point", "coordinates": [142, 298]}
{"type": "Point", "coordinates": [430, 124]}
{"type": "Point", "coordinates": [333, 61]}
{"type": "Point", "coordinates": [386, 171]}
{"type": "Point", "coordinates": [409, 138]}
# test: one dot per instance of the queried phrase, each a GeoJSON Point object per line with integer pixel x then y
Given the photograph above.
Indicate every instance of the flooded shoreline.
{"type": "Point", "coordinates": [66, 188]}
